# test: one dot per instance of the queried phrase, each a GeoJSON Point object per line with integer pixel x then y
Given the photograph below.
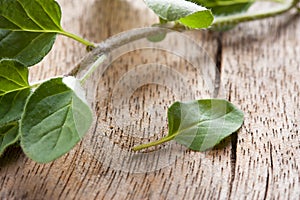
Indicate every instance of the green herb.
{"type": "Point", "coordinates": [200, 125]}
{"type": "Point", "coordinates": [31, 26]}
{"type": "Point", "coordinates": [9, 135]}
{"type": "Point", "coordinates": [50, 117]}
{"type": "Point", "coordinates": [56, 117]}
{"type": "Point", "coordinates": [14, 91]}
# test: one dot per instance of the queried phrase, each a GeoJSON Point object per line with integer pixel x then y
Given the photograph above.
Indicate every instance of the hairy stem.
{"type": "Point", "coordinates": [77, 38]}
{"type": "Point", "coordinates": [92, 68]}
{"type": "Point", "coordinates": [154, 143]}
{"type": "Point", "coordinates": [110, 44]}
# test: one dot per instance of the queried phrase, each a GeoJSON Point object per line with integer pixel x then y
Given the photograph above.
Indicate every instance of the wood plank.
{"type": "Point", "coordinates": [82, 175]}
{"type": "Point", "coordinates": [270, 134]}
{"type": "Point", "coordinates": [261, 69]}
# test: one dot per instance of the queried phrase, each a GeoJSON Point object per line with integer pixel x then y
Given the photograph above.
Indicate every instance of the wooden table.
{"type": "Point", "coordinates": [260, 73]}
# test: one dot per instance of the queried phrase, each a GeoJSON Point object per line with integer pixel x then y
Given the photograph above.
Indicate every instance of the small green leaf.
{"type": "Point", "coordinates": [202, 19]}
{"type": "Point", "coordinates": [56, 117]}
{"type": "Point", "coordinates": [187, 13]}
{"type": "Point", "coordinates": [8, 136]}
{"type": "Point", "coordinates": [158, 37]}
{"type": "Point", "coordinates": [28, 29]}
{"type": "Point", "coordinates": [200, 125]}
{"type": "Point", "coordinates": [225, 7]}
{"type": "Point", "coordinates": [13, 76]}
{"type": "Point", "coordinates": [14, 90]}
{"type": "Point", "coordinates": [12, 105]}
{"type": "Point", "coordinates": [222, 8]}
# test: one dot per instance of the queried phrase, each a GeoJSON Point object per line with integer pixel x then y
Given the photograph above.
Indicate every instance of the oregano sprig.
{"type": "Point", "coordinates": [48, 118]}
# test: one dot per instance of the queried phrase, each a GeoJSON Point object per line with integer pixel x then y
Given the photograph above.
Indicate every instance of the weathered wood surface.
{"type": "Point", "coordinates": [260, 70]}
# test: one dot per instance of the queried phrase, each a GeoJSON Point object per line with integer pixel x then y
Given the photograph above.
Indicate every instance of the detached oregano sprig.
{"type": "Point", "coordinates": [50, 117]}
{"type": "Point", "coordinates": [200, 125]}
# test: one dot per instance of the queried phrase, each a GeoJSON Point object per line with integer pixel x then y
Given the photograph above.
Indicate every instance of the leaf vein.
{"type": "Point", "coordinates": [12, 80]}
{"type": "Point", "coordinates": [3, 134]}
{"type": "Point", "coordinates": [179, 131]}
{"type": "Point", "coordinates": [10, 91]}
{"type": "Point", "coordinates": [29, 16]}
{"type": "Point", "coordinates": [49, 15]}
{"type": "Point", "coordinates": [12, 22]}
{"type": "Point", "coordinates": [31, 42]}
{"type": "Point", "coordinates": [10, 32]}
{"type": "Point", "coordinates": [46, 133]}
{"type": "Point", "coordinates": [63, 125]}
{"type": "Point", "coordinates": [23, 78]}
{"type": "Point", "coordinates": [11, 105]}
{"type": "Point", "coordinates": [49, 115]}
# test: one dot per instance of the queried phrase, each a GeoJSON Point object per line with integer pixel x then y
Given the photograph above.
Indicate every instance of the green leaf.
{"type": "Point", "coordinates": [225, 7]}
{"type": "Point", "coordinates": [56, 117]}
{"type": "Point", "coordinates": [25, 47]}
{"type": "Point", "coordinates": [13, 76]}
{"type": "Point", "coordinates": [28, 29]}
{"type": "Point", "coordinates": [200, 125]}
{"type": "Point", "coordinates": [12, 105]}
{"type": "Point", "coordinates": [158, 37]}
{"type": "Point", "coordinates": [8, 136]}
{"type": "Point", "coordinates": [14, 90]}
{"type": "Point", "coordinates": [187, 13]}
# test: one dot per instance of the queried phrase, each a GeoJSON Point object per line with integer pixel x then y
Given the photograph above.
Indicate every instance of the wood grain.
{"type": "Point", "coordinates": [259, 71]}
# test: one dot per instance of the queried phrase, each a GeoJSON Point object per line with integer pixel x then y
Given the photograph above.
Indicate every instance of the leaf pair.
{"type": "Point", "coordinates": [48, 121]}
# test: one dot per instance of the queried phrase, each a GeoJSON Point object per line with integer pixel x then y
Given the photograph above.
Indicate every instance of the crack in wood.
{"type": "Point", "coordinates": [271, 157]}
{"type": "Point", "coordinates": [267, 186]}
{"type": "Point", "coordinates": [233, 156]}
{"type": "Point", "coordinates": [268, 175]}
{"type": "Point", "coordinates": [218, 59]}
{"type": "Point", "coordinates": [234, 136]}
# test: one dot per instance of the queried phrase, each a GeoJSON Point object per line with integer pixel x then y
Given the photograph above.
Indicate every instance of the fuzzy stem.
{"type": "Point", "coordinates": [154, 143]}
{"type": "Point", "coordinates": [111, 44]}
{"type": "Point", "coordinates": [77, 38]}
{"type": "Point", "coordinates": [92, 68]}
